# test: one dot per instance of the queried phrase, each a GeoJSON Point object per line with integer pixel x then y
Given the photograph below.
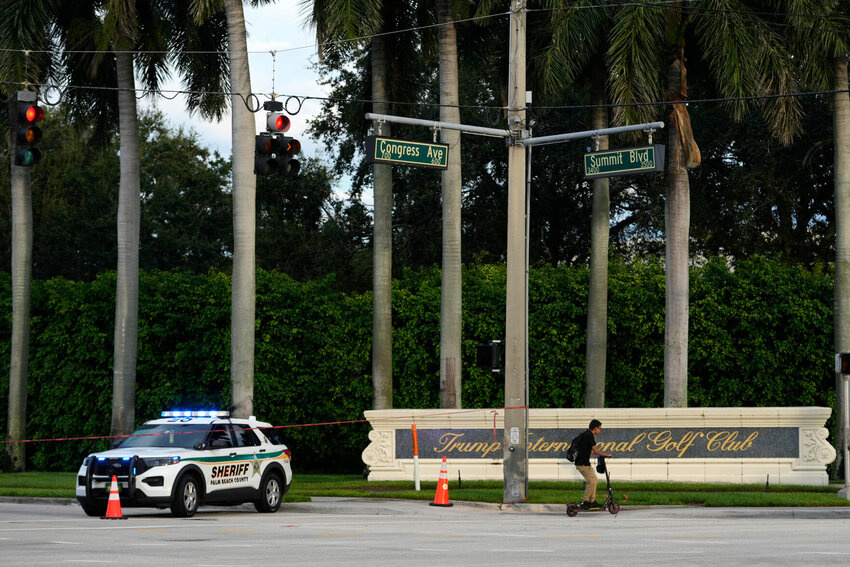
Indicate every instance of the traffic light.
{"type": "Point", "coordinates": [27, 134]}
{"type": "Point", "coordinates": [287, 165]}
{"type": "Point", "coordinates": [274, 152]}
{"type": "Point", "coordinates": [265, 147]}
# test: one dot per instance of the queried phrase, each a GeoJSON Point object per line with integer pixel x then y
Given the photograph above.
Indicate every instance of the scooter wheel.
{"type": "Point", "coordinates": [614, 508]}
{"type": "Point", "coordinates": [572, 510]}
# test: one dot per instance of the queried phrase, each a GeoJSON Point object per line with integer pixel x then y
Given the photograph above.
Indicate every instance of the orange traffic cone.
{"type": "Point", "coordinates": [113, 508]}
{"type": "Point", "coordinates": [441, 498]}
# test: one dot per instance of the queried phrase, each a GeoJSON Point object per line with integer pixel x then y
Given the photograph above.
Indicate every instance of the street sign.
{"type": "Point", "coordinates": [626, 161]}
{"type": "Point", "coordinates": [403, 152]}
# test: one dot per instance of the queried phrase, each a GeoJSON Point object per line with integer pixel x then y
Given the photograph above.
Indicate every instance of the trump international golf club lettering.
{"type": "Point", "coordinates": [678, 443]}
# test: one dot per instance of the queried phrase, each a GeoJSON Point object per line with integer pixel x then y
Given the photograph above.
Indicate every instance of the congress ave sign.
{"type": "Point", "coordinates": [404, 152]}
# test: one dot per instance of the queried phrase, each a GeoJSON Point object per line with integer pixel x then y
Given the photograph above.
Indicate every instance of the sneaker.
{"type": "Point", "coordinates": [584, 505]}
{"type": "Point", "coordinates": [593, 505]}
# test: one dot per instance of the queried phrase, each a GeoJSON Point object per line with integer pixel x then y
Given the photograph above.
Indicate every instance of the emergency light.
{"type": "Point", "coordinates": [195, 413]}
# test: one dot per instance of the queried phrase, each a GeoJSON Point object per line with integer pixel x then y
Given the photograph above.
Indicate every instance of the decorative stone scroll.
{"type": "Point", "coordinates": [735, 445]}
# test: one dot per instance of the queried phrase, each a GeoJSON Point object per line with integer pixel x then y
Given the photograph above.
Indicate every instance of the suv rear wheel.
{"type": "Point", "coordinates": [186, 497]}
{"type": "Point", "coordinates": [270, 493]}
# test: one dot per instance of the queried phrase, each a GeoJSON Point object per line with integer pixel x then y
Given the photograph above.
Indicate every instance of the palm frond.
{"type": "Point", "coordinates": [635, 60]}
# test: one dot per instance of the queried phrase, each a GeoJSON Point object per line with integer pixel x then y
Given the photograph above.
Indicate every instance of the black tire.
{"type": "Point", "coordinates": [97, 509]}
{"type": "Point", "coordinates": [614, 508]}
{"type": "Point", "coordinates": [187, 497]}
{"type": "Point", "coordinates": [572, 510]}
{"type": "Point", "coordinates": [271, 494]}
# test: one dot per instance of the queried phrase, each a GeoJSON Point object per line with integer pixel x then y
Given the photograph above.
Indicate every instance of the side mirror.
{"type": "Point", "coordinates": [200, 446]}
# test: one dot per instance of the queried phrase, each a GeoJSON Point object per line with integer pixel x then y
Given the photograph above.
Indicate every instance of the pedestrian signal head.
{"type": "Point", "coordinates": [842, 363]}
{"type": "Point", "coordinates": [265, 148]}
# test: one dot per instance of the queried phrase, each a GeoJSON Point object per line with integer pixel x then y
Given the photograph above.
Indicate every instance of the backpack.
{"type": "Point", "coordinates": [572, 451]}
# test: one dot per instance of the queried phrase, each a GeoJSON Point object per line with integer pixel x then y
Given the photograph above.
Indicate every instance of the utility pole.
{"type": "Point", "coordinates": [518, 136]}
{"type": "Point", "coordinates": [515, 464]}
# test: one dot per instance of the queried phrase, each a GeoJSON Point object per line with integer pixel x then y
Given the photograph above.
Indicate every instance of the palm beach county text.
{"type": "Point", "coordinates": [634, 443]}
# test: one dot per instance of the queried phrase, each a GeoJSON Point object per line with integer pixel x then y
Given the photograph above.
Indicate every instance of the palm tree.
{"type": "Point", "coordinates": [244, 218]}
{"type": "Point", "coordinates": [597, 293]}
{"type": "Point", "coordinates": [382, 245]}
{"type": "Point", "coordinates": [143, 31]}
{"type": "Point", "coordinates": [452, 281]}
{"type": "Point", "coordinates": [21, 282]}
{"type": "Point", "coordinates": [576, 47]}
{"type": "Point", "coordinates": [22, 29]}
{"type": "Point", "coordinates": [821, 39]}
{"type": "Point", "coordinates": [84, 34]}
{"type": "Point", "coordinates": [645, 55]}
{"type": "Point", "coordinates": [117, 30]}
{"type": "Point", "coordinates": [337, 22]}
{"type": "Point", "coordinates": [243, 294]}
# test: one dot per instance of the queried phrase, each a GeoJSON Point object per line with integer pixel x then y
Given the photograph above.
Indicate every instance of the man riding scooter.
{"type": "Point", "coordinates": [587, 446]}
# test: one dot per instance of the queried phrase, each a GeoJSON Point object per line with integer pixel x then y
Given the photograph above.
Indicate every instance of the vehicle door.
{"type": "Point", "coordinates": [224, 468]}
{"type": "Point", "coordinates": [250, 447]}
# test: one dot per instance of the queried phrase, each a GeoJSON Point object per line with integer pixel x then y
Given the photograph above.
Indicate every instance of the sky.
{"type": "Point", "coordinates": [280, 27]}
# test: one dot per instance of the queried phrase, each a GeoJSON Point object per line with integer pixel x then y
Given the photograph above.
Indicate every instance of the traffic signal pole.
{"type": "Point", "coordinates": [515, 444]}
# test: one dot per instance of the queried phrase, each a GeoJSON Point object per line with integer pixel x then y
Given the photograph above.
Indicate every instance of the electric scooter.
{"type": "Point", "coordinates": [610, 504]}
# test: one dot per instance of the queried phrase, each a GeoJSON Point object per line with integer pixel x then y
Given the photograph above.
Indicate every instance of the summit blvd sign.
{"type": "Point", "coordinates": [404, 152]}
{"type": "Point", "coordinates": [626, 161]}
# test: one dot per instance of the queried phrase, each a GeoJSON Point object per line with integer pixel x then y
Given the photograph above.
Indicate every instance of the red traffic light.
{"type": "Point", "coordinates": [277, 122]}
{"type": "Point", "coordinates": [31, 113]}
{"type": "Point", "coordinates": [27, 134]}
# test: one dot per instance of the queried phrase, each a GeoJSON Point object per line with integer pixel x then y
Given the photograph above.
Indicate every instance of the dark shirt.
{"type": "Point", "coordinates": [585, 442]}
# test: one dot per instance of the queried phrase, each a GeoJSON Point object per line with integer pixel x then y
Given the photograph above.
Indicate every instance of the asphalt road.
{"type": "Point", "coordinates": [402, 533]}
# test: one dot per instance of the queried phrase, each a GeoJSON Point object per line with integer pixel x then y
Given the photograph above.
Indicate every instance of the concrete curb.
{"type": "Point", "coordinates": [392, 506]}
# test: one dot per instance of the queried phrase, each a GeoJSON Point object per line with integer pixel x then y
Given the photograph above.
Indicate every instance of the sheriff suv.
{"type": "Point", "coordinates": [189, 458]}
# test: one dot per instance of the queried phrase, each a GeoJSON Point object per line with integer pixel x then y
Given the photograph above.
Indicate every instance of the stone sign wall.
{"type": "Point", "coordinates": [737, 445]}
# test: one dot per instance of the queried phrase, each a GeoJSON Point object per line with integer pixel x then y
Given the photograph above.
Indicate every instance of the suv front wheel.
{"type": "Point", "coordinates": [186, 498]}
{"type": "Point", "coordinates": [94, 508]}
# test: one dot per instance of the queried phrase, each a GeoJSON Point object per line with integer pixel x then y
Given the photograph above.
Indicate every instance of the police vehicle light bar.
{"type": "Point", "coordinates": [195, 413]}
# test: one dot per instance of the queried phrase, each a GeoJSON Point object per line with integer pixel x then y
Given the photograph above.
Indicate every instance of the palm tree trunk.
{"type": "Point", "coordinates": [21, 285]}
{"type": "Point", "coordinates": [382, 249]}
{"type": "Point", "coordinates": [452, 280]}
{"type": "Point", "coordinates": [243, 299]}
{"type": "Point", "coordinates": [597, 301]}
{"type": "Point", "coordinates": [127, 285]}
{"type": "Point", "coordinates": [841, 297]}
{"type": "Point", "coordinates": [677, 211]}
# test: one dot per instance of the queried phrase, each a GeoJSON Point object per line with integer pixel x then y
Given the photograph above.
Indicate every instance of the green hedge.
{"type": "Point", "coordinates": [761, 335]}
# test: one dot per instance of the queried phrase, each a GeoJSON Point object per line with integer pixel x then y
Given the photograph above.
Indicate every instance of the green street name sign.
{"type": "Point", "coordinates": [403, 152]}
{"type": "Point", "coordinates": [626, 161]}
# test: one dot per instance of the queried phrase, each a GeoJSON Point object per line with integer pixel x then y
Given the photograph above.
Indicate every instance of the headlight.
{"type": "Point", "coordinates": [151, 462]}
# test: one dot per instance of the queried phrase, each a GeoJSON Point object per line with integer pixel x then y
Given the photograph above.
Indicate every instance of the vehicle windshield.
{"type": "Point", "coordinates": [184, 435]}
